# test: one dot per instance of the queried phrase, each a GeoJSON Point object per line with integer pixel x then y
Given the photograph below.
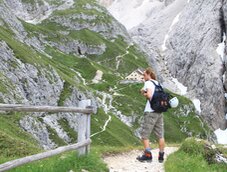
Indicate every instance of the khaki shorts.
{"type": "Point", "coordinates": [152, 122]}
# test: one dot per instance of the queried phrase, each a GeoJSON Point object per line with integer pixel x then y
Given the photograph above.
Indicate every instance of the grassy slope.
{"type": "Point", "coordinates": [116, 134]}
{"type": "Point", "coordinates": [193, 156]}
{"type": "Point", "coordinates": [14, 142]}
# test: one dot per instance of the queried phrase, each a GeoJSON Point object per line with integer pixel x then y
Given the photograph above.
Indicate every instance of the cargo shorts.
{"type": "Point", "coordinates": [152, 122]}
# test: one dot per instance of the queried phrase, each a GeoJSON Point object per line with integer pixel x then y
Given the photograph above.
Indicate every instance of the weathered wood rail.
{"type": "Point", "coordinates": [83, 145]}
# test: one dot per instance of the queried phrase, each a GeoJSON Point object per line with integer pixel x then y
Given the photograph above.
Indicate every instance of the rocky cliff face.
{"type": "Point", "coordinates": [181, 38]}
{"type": "Point", "coordinates": [191, 56]}
{"type": "Point", "coordinates": [223, 22]}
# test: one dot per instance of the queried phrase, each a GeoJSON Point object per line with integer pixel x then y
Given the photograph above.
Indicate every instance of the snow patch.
{"type": "Point", "coordinates": [180, 86]}
{"type": "Point", "coordinates": [221, 48]}
{"type": "Point", "coordinates": [175, 20]}
{"type": "Point", "coordinates": [197, 104]}
{"type": "Point", "coordinates": [225, 95]}
{"type": "Point", "coordinates": [221, 136]}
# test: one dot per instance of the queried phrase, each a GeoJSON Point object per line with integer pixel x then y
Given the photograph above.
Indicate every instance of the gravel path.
{"type": "Point", "coordinates": [126, 162]}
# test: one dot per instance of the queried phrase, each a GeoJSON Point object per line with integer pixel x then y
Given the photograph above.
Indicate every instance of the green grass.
{"type": "Point", "coordinates": [14, 142]}
{"type": "Point", "coordinates": [70, 131]}
{"type": "Point", "coordinates": [4, 85]}
{"type": "Point", "coordinates": [54, 137]}
{"type": "Point", "coordinates": [21, 51]}
{"type": "Point", "coordinates": [193, 156]}
{"type": "Point", "coordinates": [65, 93]}
{"type": "Point", "coordinates": [129, 101]}
{"type": "Point", "coordinates": [87, 36]}
{"type": "Point", "coordinates": [66, 162]}
{"type": "Point", "coordinates": [116, 134]}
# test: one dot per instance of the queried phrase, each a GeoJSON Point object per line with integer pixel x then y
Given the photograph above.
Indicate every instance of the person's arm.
{"type": "Point", "coordinates": [147, 93]}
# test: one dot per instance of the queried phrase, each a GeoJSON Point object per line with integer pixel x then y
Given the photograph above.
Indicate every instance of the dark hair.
{"type": "Point", "coordinates": [151, 72]}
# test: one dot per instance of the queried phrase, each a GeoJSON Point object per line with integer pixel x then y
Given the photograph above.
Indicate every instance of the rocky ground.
{"type": "Point", "coordinates": [126, 162]}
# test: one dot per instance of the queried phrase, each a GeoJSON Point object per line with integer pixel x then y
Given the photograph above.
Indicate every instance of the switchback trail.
{"type": "Point", "coordinates": [126, 162]}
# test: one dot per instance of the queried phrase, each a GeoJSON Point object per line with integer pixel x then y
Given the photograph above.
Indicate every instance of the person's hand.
{"type": "Point", "coordinates": [142, 91]}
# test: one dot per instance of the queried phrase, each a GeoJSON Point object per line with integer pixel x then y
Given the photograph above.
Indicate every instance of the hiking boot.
{"type": "Point", "coordinates": [146, 157]}
{"type": "Point", "coordinates": [161, 157]}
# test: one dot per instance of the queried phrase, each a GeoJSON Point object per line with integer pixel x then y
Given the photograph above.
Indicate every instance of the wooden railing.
{"type": "Point", "coordinates": [83, 138]}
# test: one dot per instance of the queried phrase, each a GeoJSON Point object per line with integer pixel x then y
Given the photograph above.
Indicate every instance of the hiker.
{"type": "Point", "coordinates": [152, 122]}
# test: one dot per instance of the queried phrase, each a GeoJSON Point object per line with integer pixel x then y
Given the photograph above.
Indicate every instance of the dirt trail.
{"type": "Point", "coordinates": [126, 162]}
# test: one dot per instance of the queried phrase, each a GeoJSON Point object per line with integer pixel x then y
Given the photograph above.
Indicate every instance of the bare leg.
{"type": "Point", "coordinates": [161, 144]}
{"type": "Point", "coordinates": [146, 143]}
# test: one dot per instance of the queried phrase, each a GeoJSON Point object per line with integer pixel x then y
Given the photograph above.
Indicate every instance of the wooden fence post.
{"type": "Point", "coordinates": [84, 127]}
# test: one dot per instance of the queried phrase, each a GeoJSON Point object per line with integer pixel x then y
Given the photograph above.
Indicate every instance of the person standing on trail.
{"type": "Point", "coordinates": [153, 121]}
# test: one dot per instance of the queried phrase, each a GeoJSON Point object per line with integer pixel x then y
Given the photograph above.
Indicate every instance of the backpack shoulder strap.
{"type": "Point", "coordinates": [157, 86]}
{"type": "Point", "coordinates": [153, 82]}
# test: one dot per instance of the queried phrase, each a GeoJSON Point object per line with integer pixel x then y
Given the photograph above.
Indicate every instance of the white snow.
{"type": "Point", "coordinates": [164, 42]}
{"type": "Point", "coordinates": [221, 136]}
{"type": "Point", "coordinates": [221, 48]}
{"type": "Point", "coordinates": [197, 103]}
{"type": "Point", "coordinates": [225, 95]}
{"type": "Point", "coordinates": [175, 20]}
{"type": "Point", "coordinates": [180, 86]}
{"type": "Point", "coordinates": [136, 12]}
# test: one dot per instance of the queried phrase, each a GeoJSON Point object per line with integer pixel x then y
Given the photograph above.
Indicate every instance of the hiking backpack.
{"type": "Point", "coordinates": [160, 100]}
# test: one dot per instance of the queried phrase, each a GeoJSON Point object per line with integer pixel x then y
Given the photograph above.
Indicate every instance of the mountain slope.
{"type": "Point", "coordinates": [52, 59]}
{"type": "Point", "coordinates": [54, 63]}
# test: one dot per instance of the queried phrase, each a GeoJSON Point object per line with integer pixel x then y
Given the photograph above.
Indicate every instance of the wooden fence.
{"type": "Point", "coordinates": [83, 145]}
